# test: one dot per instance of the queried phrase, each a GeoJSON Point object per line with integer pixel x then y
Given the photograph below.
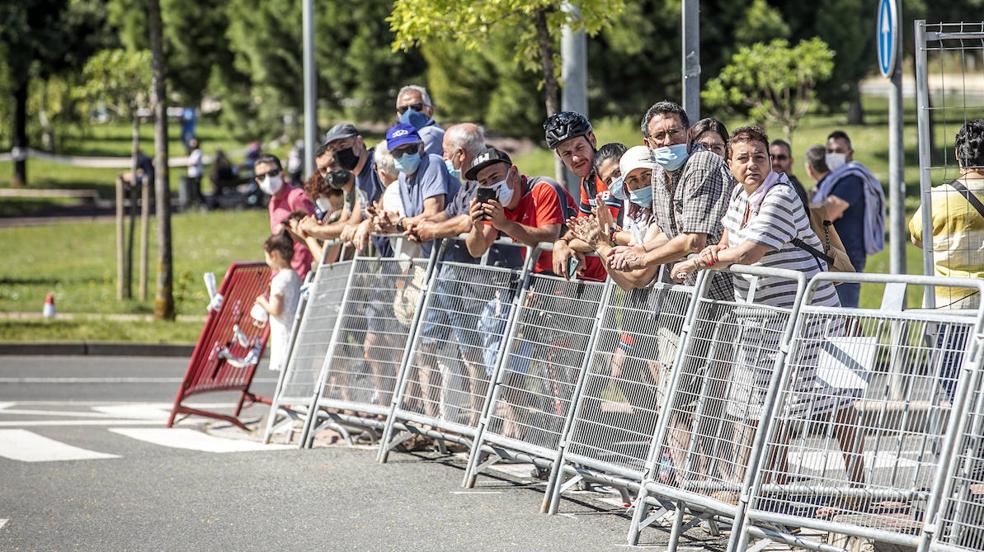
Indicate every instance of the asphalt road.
{"type": "Point", "coordinates": [131, 492]}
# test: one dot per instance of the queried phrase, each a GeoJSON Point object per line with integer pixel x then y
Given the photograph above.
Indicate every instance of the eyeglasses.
{"type": "Point", "coordinates": [780, 157]}
{"type": "Point", "coordinates": [271, 172]}
{"type": "Point", "coordinates": [419, 106]}
{"type": "Point", "coordinates": [403, 150]}
{"type": "Point", "coordinates": [663, 136]}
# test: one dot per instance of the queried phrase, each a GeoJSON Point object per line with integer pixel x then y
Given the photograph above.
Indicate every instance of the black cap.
{"type": "Point", "coordinates": [488, 157]}
{"type": "Point", "coordinates": [340, 131]}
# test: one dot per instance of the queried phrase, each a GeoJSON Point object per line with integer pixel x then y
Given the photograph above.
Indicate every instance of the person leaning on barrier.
{"type": "Point", "coordinates": [284, 200]}
{"type": "Point", "coordinates": [571, 137]}
{"type": "Point", "coordinates": [767, 226]}
{"type": "Point", "coordinates": [690, 197]}
{"type": "Point", "coordinates": [958, 239]}
{"type": "Point", "coordinates": [343, 148]}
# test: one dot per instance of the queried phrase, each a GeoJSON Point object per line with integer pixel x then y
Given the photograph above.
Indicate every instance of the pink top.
{"type": "Point", "coordinates": [281, 206]}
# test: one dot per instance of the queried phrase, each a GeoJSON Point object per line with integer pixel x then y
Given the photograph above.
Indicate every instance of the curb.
{"type": "Point", "coordinates": [96, 349]}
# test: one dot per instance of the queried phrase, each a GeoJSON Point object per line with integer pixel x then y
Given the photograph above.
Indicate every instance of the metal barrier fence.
{"type": "Point", "coordinates": [310, 338]}
{"type": "Point", "coordinates": [722, 385]}
{"type": "Point", "coordinates": [615, 415]}
{"type": "Point", "coordinates": [230, 346]}
{"type": "Point", "coordinates": [445, 385]}
{"type": "Point", "coordinates": [380, 308]}
{"type": "Point", "coordinates": [540, 372]}
{"type": "Point", "coordinates": [847, 451]}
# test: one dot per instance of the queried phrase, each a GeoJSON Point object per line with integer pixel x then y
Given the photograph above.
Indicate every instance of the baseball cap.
{"type": "Point", "coordinates": [488, 157]}
{"type": "Point", "coordinates": [400, 135]}
{"type": "Point", "coordinates": [636, 157]}
{"type": "Point", "coordinates": [340, 131]}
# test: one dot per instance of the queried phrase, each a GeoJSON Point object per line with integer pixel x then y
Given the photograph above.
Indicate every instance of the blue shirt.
{"type": "Point", "coordinates": [850, 227]}
{"type": "Point", "coordinates": [433, 138]}
{"type": "Point", "coordinates": [432, 179]}
{"type": "Point", "coordinates": [370, 189]}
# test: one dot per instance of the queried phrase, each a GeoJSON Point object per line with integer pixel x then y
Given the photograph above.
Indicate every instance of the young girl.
{"type": "Point", "coordinates": [285, 291]}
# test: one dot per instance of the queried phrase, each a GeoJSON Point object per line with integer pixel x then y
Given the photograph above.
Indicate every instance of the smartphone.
{"type": "Point", "coordinates": [573, 263]}
{"type": "Point", "coordinates": [484, 195]}
{"type": "Point", "coordinates": [320, 214]}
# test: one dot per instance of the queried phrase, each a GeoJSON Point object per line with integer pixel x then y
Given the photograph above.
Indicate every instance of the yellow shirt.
{"type": "Point", "coordinates": [958, 241]}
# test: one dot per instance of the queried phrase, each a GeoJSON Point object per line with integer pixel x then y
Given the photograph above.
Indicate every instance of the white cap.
{"type": "Point", "coordinates": [636, 157]}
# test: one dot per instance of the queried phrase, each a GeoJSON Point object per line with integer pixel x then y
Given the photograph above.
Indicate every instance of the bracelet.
{"type": "Point", "coordinates": [612, 230]}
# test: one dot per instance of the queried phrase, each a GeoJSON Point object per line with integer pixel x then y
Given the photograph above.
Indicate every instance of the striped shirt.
{"type": "Point", "coordinates": [780, 219]}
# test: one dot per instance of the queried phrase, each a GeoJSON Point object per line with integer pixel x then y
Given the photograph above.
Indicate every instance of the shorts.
{"type": "Point", "coordinates": [452, 313]}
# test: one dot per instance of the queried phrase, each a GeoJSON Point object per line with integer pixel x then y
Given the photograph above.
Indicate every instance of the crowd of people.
{"type": "Point", "coordinates": [689, 196]}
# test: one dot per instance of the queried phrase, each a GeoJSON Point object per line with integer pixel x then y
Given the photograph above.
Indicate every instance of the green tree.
{"type": "Point", "coordinates": [773, 81]}
{"type": "Point", "coordinates": [536, 23]}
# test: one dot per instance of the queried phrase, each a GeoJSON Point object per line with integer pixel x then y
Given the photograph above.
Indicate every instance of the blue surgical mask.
{"type": "Point", "coordinates": [672, 157]}
{"type": "Point", "coordinates": [408, 163]}
{"type": "Point", "coordinates": [617, 188]}
{"type": "Point", "coordinates": [643, 197]}
{"type": "Point", "coordinates": [503, 191]}
{"type": "Point", "coordinates": [415, 118]}
{"type": "Point", "coordinates": [451, 170]}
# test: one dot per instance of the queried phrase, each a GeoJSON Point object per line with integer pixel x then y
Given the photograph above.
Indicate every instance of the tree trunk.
{"type": "Point", "coordinates": [20, 135]}
{"type": "Point", "coordinates": [855, 111]}
{"type": "Point", "coordinates": [550, 84]}
{"type": "Point", "coordinates": [164, 301]}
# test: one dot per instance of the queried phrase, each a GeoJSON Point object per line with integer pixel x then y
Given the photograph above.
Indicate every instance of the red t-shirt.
{"type": "Point", "coordinates": [540, 206]}
{"type": "Point", "coordinates": [280, 208]}
{"type": "Point", "coordinates": [593, 267]}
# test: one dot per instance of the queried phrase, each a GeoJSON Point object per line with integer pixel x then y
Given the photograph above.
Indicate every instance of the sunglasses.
{"type": "Point", "coordinates": [419, 106]}
{"type": "Point", "coordinates": [779, 157]}
{"type": "Point", "coordinates": [403, 150]}
{"type": "Point", "coordinates": [272, 172]}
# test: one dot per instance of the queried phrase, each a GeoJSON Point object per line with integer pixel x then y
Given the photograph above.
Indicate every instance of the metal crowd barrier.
{"type": "Point", "coordinates": [310, 338]}
{"type": "Point", "coordinates": [723, 381]}
{"type": "Point", "coordinates": [847, 451]}
{"type": "Point", "coordinates": [380, 309]}
{"type": "Point", "coordinates": [540, 373]}
{"type": "Point", "coordinates": [615, 415]}
{"type": "Point", "coordinates": [445, 383]}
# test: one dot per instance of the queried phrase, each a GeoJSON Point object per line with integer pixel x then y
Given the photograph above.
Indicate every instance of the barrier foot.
{"type": "Point", "coordinates": [641, 508]}
{"type": "Point", "coordinates": [206, 414]}
{"type": "Point", "coordinates": [677, 529]}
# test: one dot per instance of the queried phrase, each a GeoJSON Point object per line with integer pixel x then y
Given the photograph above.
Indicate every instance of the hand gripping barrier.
{"type": "Point", "coordinates": [862, 433]}
{"type": "Point", "coordinates": [380, 311]}
{"type": "Point", "coordinates": [310, 337]}
{"type": "Point", "coordinates": [539, 374]}
{"type": "Point", "coordinates": [445, 385]}
{"type": "Point", "coordinates": [230, 346]}
{"type": "Point", "coordinates": [615, 415]}
{"type": "Point", "coordinates": [723, 380]}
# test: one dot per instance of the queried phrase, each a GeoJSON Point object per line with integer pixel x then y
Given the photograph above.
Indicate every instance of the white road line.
{"type": "Point", "coordinates": [76, 423]}
{"type": "Point", "coordinates": [475, 492]}
{"type": "Point", "coordinates": [109, 380]}
{"type": "Point", "coordinates": [3, 522]}
{"type": "Point", "coordinates": [135, 411]}
{"type": "Point", "coordinates": [6, 405]}
{"type": "Point", "coordinates": [26, 446]}
{"type": "Point", "coordinates": [65, 413]}
{"type": "Point", "coordinates": [194, 440]}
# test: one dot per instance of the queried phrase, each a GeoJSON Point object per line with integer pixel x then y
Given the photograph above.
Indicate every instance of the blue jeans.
{"type": "Point", "coordinates": [850, 294]}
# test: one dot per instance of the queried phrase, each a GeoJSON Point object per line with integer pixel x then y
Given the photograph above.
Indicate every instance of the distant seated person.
{"type": "Point", "coordinates": [284, 200]}
{"type": "Point", "coordinates": [223, 175]}
{"type": "Point", "coordinates": [530, 210]}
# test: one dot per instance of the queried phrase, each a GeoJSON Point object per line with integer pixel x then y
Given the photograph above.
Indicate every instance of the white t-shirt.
{"type": "Point", "coordinates": [287, 284]}
{"type": "Point", "coordinates": [393, 202]}
{"type": "Point", "coordinates": [195, 163]}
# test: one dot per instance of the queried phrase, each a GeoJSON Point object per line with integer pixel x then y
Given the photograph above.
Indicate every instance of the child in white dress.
{"type": "Point", "coordinates": [285, 292]}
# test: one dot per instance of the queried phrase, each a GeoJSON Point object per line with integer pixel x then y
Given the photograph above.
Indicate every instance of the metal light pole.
{"type": "Point", "coordinates": [574, 75]}
{"type": "Point", "coordinates": [310, 89]}
{"type": "Point", "coordinates": [691, 58]}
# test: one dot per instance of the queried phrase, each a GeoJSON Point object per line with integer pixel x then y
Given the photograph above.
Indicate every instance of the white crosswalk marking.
{"type": "Point", "coordinates": [26, 446]}
{"type": "Point", "coordinates": [193, 440]}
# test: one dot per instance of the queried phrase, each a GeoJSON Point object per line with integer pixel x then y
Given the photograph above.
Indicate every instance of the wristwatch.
{"type": "Point", "coordinates": [612, 230]}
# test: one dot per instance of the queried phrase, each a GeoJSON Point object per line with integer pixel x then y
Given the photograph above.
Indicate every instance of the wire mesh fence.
{"type": "Point", "coordinates": [950, 91]}
{"type": "Point", "coordinates": [628, 374]}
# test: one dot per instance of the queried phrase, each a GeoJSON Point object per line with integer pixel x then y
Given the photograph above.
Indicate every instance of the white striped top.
{"type": "Point", "coordinates": [780, 218]}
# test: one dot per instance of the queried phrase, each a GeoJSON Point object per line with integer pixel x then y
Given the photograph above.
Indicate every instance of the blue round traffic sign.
{"type": "Point", "coordinates": [888, 36]}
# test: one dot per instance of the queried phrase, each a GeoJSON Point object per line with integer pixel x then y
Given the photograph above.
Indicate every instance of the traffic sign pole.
{"type": "Point", "coordinates": [890, 63]}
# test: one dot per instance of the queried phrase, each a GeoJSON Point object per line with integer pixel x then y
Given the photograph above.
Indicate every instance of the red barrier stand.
{"type": "Point", "coordinates": [230, 345]}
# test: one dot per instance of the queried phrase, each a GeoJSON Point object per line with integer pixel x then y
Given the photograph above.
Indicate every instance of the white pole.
{"type": "Point", "coordinates": [310, 89]}
{"type": "Point", "coordinates": [691, 58]}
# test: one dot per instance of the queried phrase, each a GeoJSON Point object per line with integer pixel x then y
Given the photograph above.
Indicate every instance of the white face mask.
{"type": "Point", "coordinates": [271, 184]}
{"type": "Point", "coordinates": [503, 191]}
{"type": "Point", "coordinates": [835, 160]}
{"type": "Point", "coordinates": [323, 204]}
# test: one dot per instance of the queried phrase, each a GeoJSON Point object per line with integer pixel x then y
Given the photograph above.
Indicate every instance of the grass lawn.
{"type": "Point", "coordinates": [77, 261]}
{"type": "Point", "coordinates": [32, 331]}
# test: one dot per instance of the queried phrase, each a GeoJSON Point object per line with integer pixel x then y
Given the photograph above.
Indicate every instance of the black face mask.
{"type": "Point", "coordinates": [347, 159]}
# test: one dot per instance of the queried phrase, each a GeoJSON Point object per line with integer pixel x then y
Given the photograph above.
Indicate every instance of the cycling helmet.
{"type": "Point", "coordinates": [565, 125]}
